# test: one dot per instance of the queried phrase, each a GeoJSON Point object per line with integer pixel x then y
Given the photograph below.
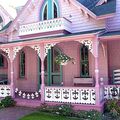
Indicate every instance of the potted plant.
{"type": "Point", "coordinates": [63, 59]}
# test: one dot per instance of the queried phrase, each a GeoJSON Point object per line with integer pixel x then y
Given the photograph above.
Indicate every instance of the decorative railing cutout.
{"type": "Point", "coordinates": [70, 95]}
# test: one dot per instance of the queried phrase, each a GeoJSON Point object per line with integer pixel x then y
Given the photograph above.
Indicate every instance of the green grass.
{"type": "Point", "coordinates": [45, 116]}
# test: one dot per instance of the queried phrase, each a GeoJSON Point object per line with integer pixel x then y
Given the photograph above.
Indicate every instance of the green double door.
{"type": "Point", "coordinates": [53, 71]}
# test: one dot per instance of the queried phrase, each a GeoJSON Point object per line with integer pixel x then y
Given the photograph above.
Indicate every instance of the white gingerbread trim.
{"type": "Point", "coordinates": [36, 48]}
{"type": "Point", "coordinates": [47, 47]}
{"type": "Point", "coordinates": [6, 50]}
{"type": "Point", "coordinates": [16, 50]}
{"type": "Point", "coordinates": [87, 43]}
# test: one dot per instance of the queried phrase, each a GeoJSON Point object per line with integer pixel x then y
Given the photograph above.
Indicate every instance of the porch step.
{"type": "Point", "coordinates": [27, 103]}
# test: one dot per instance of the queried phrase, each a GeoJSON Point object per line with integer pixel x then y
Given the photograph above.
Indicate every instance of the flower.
{"type": "Point", "coordinates": [63, 59]}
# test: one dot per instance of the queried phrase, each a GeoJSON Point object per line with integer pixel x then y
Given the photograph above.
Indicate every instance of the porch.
{"type": "Point", "coordinates": [40, 78]}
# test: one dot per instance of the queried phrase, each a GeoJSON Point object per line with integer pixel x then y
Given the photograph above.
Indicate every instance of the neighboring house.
{"type": "Point", "coordinates": [81, 35]}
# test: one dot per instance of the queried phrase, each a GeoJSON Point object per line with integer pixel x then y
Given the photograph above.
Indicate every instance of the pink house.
{"type": "Point", "coordinates": [61, 51]}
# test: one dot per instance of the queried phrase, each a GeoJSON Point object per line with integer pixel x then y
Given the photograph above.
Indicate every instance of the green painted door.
{"type": "Point", "coordinates": [53, 71]}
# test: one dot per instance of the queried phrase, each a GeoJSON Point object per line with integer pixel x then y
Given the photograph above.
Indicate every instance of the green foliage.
{"type": "Point", "coordinates": [67, 110]}
{"type": "Point", "coordinates": [7, 102]}
{"type": "Point", "coordinates": [113, 107]}
{"type": "Point", "coordinates": [89, 115]}
{"type": "Point", "coordinates": [62, 58]}
{"type": "Point", "coordinates": [45, 116]}
{"type": "Point", "coordinates": [64, 110]}
{"type": "Point", "coordinates": [94, 115]}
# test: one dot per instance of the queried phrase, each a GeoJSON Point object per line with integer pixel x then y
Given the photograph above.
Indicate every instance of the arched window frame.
{"type": "Point", "coordinates": [52, 11]}
{"type": "Point", "coordinates": [54, 8]}
{"type": "Point", "coordinates": [43, 10]}
{"type": "Point", "coordinates": [84, 61]}
{"type": "Point", "coordinates": [1, 60]}
{"type": "Point", "coordinates": [22, 64]}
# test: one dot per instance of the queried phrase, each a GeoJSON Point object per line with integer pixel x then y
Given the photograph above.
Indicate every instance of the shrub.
{"type": "Point", "coordinates": [64, 110]}
{"type": "Point", "coordinates": [89, 115]}
{"type": "Point", "coordinates": [113, 107]}
{"type": "Point", "coordinates": [94, 115]}
{"type": "Point", "coordinates": [81, 114]}
{"type": "Point", "coordinates": [7, 102]}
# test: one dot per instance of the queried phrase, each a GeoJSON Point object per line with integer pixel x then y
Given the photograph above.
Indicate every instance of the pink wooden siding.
{"type": "Point", "coordinates": [30, 81]}
{"type": "Point", "coordinates": [113, 56]}
{"type": "Point", "coordinates": [103, 63]}
{"type": "Point", "coordinates": [114, 22]}
{"type": "Point", "coordinates": [80, 22]}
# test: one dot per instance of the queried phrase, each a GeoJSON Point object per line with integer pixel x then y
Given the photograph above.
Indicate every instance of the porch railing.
{"type": "Point", "coordinates": [70, 95]}
{"type": "Point", "coordinates": [5, 90]}
{"type": "Point", "coordinates": [45, 26]}
{"type": "Point", "coordinates": [112, 91]}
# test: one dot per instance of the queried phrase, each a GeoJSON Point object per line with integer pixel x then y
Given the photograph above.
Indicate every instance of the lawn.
{"type": "Point", "coordinates": [45, 116]}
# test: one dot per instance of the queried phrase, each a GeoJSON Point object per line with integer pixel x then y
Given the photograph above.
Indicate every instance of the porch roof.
{"type": "Point", "coordinates": [59, 36]}
{"type": "Point", "coordinates": [110, 33]}
{"type": "Point", "coordinates": [107, 8]}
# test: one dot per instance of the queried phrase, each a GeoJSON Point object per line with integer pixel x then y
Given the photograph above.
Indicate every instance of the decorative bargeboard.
{"type": "Point", "coordinates": [70, 95]}
{"type": "Point", "coordinates": [5, 90]}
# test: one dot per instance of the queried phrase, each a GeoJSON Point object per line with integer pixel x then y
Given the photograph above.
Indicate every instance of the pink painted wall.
{"type": "Point", "coordinates": [70, 70]}
{"type": "Point", "coordinates": [30, 82]}
{"type": "Point", "coordinates": [103, 62]}
{"type": "Point", "coordinates": [113, 56]}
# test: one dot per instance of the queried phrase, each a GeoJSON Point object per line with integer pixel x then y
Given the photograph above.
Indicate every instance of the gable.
{"type": "Point", "coordinates": [5, 18]}
{"type": "Point", "coordinates": [80, 20]}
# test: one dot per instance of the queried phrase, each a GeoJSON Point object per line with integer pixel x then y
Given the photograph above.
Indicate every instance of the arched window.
{"type": "Point", "coordinates": [84, 61]}
{"type": "Point", "coordinates": [45, 12]}
{"type": "Point", "coordinates": [22, 64]}
{"type": "Point", "coordinates": [50, 10]}
{"type": "Point", "coordinates": [1, 60]}
{"type": "Point", "coordinates": [55, 10]}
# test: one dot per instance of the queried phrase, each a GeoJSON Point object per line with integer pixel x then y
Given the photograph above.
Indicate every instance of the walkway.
{"type": "Point", "coordinates": [14, 113]}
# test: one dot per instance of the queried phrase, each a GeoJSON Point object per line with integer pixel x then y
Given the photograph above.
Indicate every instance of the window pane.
{"type": "Point", "coordinates": [22, 64]}
{"type": "Point", "coordinates": [55, 66]}
{"type": "Point", "coordinates": [84, 61]}
{"type": "Point", "coordinates": [1, 60]}
{"type": "Point", "coordinates": [55, 11]}
{"type": "Point", "coordinates": [45, 64]}
{"type": "Point", "coordinates": [45, 13]}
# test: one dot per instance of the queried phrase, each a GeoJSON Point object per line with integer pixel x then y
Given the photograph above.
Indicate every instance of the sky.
{"type": "Point", "coordinates": [9, 5]}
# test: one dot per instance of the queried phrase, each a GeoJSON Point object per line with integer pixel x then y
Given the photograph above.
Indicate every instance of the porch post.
{"type": "Point", "coordinates": [42, 75]}
{"type": "Point", "coordinates": [96, 55]}
{"type": "Point", "coordinates": [12, 75]}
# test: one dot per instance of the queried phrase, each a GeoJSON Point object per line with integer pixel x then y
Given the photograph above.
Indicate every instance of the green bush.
{"type": "Point", "coordinates": [113, 107]}
{"type": "Point", "coordinates": [7, 102]}
{"type": "Point", "coordinates": [89, 115]}
{"type": "Point", "coordinates": [94, 115]}
{"type": "Point", "coordinates": [81, 114]}
{"type": "Point", "coordinates": [64, 110]}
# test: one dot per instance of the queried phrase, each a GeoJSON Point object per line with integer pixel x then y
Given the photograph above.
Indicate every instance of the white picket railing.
{"type": "Point", "coordinates": [45, 26]}
{"type": "Point", "coordinates": [5, 90]}
{"type": "Point", "coordinates": [112, 91]}
{"type": "Point", "coordinates": [70, 95]}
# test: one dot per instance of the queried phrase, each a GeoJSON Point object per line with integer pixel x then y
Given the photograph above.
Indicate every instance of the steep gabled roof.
{"type": "Point", "coordinates": [6, 26]}
{"type": "Point", "coordinates": [107, 8]}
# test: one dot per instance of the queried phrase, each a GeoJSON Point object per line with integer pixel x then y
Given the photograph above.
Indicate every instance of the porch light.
{"type": "Point", "coordinates": [63, 59]}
